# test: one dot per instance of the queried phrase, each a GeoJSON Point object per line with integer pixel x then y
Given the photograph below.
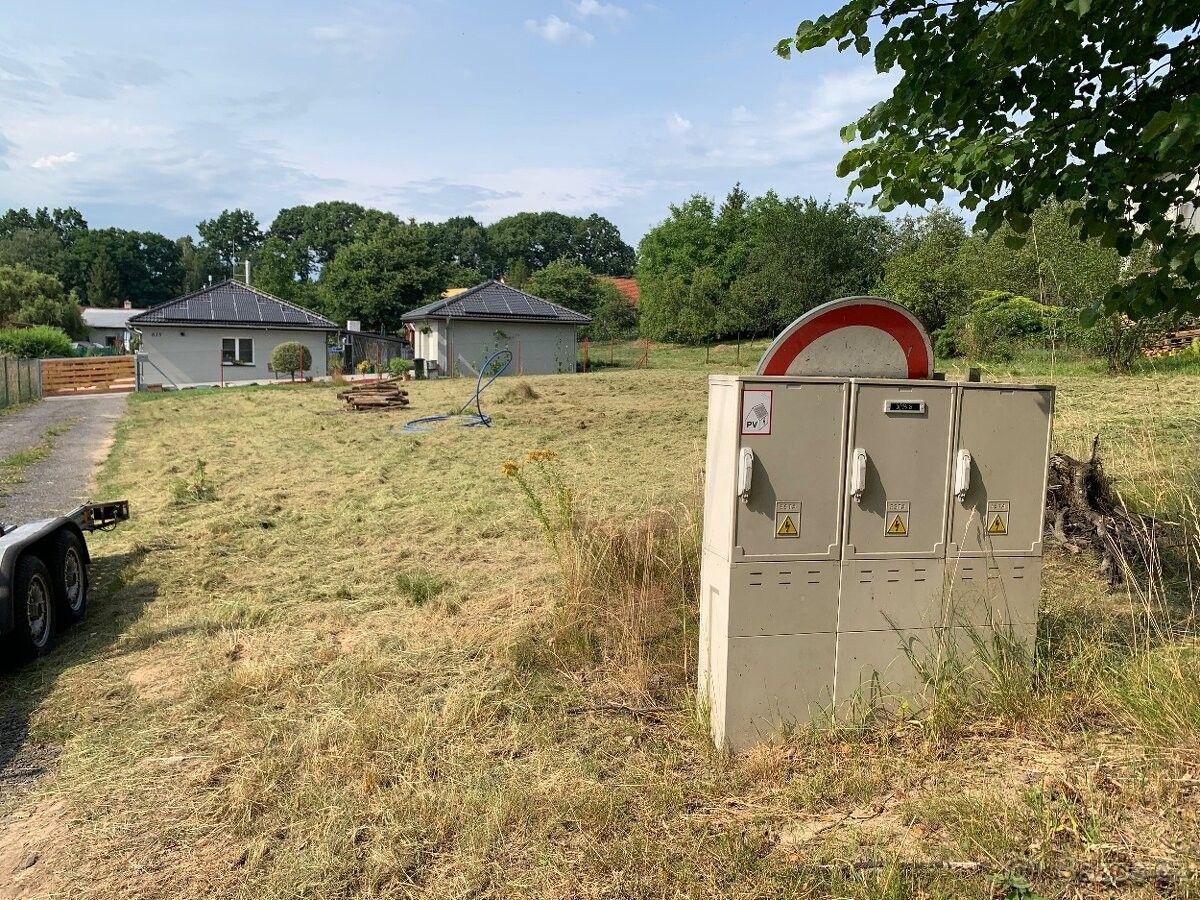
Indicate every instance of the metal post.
{"type": "Point", "coordinates": [586, 345]}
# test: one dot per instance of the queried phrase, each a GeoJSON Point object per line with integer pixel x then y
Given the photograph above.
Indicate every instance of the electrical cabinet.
{"type": "Point", "coordinates": [856, 532]}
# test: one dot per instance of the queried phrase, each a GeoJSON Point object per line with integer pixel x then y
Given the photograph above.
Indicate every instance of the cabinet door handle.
{"type": "Point", "coordinates": [745, 472]}
{"type": "Point", "coordinates": [858, 474]}
{"type": "Point", "coordinates": [962, 474]}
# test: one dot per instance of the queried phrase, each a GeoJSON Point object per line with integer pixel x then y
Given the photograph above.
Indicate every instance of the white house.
{"type": "Point", "coordinates": [109, 327]}
{"type": "Point", "coordinates": [224, 334]}
{"type": "Point", "coordinates": [469, 326]}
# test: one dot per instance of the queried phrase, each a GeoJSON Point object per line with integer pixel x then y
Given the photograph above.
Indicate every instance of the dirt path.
{"type": "Point", "coordinates": [61, 480]}
{"type": "Point", "coordinates": [33, 829]}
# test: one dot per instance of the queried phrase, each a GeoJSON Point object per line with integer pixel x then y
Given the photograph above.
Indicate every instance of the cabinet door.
{"type": "Point", "coordinates": [904, 432]}
{"type": "Point", "coordinates": [797, 431]}
{"type": "Point", "coordinates": [1007, 433]}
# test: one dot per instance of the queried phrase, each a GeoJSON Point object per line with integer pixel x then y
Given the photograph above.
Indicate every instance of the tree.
{"type": "Point", "coordinates": [379, 278]}
{"type": "Point", "coordinates": [600, 248]}
{"type": "Point", "coordinates": [1012, 103]}
{"type": "Point", "coordinates": [28, 297]}
{"type": "Point", "coordinates": [35, 248]}
{"type": "Point", "coordinates": [149, 266]}
{"type": "Point", "coordinates": [312, 235]}
{"type": "Point", "coordinates": [614, 315]}
{"type": "Point", "coordinates": [462, 241]}
{"type": "Point", "coordinates": [540, 238]}
{"type": "Point", "coordinates": [234, 235]}
{"type": "Point", "coordinates": [924, 271]}
{"type": "Point", "coordinates": [803, 253]}
{"type": "Point", "coordinates": [668, 258]}
{"type": "Point", "coordinates": [103, 288]}
{"type": "Point", "coordinates": [199, 264]}
{"type": "Point", "coordinates": [567, 283]}
{"type": "Point", "coordinates": [291, 357]}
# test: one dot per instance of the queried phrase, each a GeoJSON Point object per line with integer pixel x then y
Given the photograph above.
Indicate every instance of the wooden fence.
{"type": "Point", "coordinates": [87, 375]}
{"type": "Point", "coordinates": [22, 380]}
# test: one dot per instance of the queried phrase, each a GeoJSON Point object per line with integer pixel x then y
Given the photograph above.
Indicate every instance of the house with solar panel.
{"type": "Point", "coordinates": [224, 334]}
{"type": "Point", "coordinates": [457, 333]}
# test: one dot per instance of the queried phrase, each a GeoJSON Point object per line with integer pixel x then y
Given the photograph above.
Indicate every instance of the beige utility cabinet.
{"type": "Point", "coordinates": [854, 525]}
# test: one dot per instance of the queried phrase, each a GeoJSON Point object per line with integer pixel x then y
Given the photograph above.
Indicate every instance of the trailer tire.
{"type": "Point", "coordinates": [34, 602]}
{"type": "Point", "coordinates": [70, 576]}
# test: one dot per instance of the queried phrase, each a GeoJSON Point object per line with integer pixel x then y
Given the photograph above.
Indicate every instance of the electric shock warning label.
{"type": "Point", "coordinates": [756, 411]}
{"type": "Point", "coordinates": [787, 519]}
{"type": "Point", "coordinates": [997, 517]}
{"type": "Point", "coordinates": [895, 518]}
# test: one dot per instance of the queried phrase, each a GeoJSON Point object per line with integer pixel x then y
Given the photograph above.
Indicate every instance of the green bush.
{"type": "Point", "coordinates": [1000, 322]}
{"type": "Point", "coordinates": [41, 341]}
{"type": "Point", "coordinates": [291, 357]}
{"type": "Point", "coordinates": [398, 366]}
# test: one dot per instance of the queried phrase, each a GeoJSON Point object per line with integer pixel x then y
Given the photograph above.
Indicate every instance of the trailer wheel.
{"type": "Point", "coordinates": [35, 604]}
{"type": "Point", "coordinates": [70, 575]}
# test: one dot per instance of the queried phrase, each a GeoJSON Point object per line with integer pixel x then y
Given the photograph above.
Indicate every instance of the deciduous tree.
{"type": "Point", "coordinates": [1012, 103]}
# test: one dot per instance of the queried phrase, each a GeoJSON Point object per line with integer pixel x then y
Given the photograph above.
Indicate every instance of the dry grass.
{"type": "Point", "coordinates": [257, 707]}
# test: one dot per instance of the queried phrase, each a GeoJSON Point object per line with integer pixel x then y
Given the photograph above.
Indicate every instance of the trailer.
{"type": "Point", "coordinates": [44, 575]}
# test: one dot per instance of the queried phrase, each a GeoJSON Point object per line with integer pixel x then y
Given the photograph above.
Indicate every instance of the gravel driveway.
{"type": "Point", "coordinates": [64, 478]}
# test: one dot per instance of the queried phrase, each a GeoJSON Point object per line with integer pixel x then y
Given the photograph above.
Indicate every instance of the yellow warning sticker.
{"type": "Point", "coordinates": [895, 518]}
{"type": "Point", "coordinates": [997, 517]}
{"type": "Point", "coordinates": [787, 518]}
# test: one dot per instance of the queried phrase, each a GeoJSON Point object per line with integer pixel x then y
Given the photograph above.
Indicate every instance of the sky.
{"type": "Point", "coordinates": [154, 115]}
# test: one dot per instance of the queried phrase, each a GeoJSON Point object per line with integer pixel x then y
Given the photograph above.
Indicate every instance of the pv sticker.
{"type": "Point", "coordinates": [895, 518]}
{"type": "Point", "coordinates": [997, 517]}
{"type": "Point", "coordinates": [787, 519]}
{"type": "Point", "coordinates": [756, 411]}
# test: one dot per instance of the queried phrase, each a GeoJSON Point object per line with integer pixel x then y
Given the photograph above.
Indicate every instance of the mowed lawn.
{"type": "Point", "coordinates": [306, 674]}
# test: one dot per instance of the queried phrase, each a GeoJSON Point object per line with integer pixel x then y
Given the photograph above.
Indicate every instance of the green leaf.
{"type": "Point", "coordinates": [848, 132]}
{"type": "Point", "coordinates": [1159, 122]}
{"type": "Point", "coordinates": [784, 48]}
{"type": "Point", "coordinates": [862, 44]}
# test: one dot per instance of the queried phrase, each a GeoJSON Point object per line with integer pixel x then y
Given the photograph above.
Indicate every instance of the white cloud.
{"type": "Point", "coordinates": [365, 29]}
{"type": "Point", "coordinates": [558, 31]}
{"type": "Point", "coordinates": [53, 162]}
{"type": "Point", "coordinates": [608, 12]}
{"type": "Point", "coordinates": [677, 124]}
{"type": "Point", "coordinates": [801, 126]}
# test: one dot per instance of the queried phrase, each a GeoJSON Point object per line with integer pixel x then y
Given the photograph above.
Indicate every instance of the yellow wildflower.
{"type": "Point", "coordinates": [540, 455]}
{"type": "Point", "coordinates": [509, 468]}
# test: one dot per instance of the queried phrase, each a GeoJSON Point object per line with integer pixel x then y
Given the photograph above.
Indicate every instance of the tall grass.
{"type": "Point", "coordinates": [629, 585]}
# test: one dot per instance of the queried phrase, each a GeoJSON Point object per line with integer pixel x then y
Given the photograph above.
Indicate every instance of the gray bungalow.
{"type": "Point", "coordinates": [224, 334]}
{"type": "Point", "coordinates": [468, 326]}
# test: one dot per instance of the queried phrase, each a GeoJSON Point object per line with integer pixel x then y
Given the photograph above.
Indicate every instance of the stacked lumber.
{"type": "Point", "coordinates": [384, 394]}
{"type": "Point", "coordinates": [1174, 342]}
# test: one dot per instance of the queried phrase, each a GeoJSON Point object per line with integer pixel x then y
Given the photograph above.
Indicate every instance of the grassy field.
{"type": "Point", "coordinates": [330, 659]}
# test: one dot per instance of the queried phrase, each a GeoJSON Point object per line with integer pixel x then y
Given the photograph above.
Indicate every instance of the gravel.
{"type": "Point", "coordinates": [62, 480]}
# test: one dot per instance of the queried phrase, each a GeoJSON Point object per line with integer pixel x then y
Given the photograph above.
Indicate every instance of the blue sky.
{"type": "Point", "coordinates": [154, 115]}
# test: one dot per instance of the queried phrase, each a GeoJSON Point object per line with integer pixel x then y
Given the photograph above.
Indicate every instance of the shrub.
{"type": "Point", "coordinates": [999, 322]}
{"type": "Point", "coordinates": [41, 341]}
{"type": "Point", "coordinates": [291, 357]}
{"type": "Point", "coordinates": [398, 366]}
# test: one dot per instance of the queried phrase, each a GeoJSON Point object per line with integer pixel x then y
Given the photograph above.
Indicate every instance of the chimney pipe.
{"type": "Point", "coordinates": [247, 271]}
{"type": "Point", "coordinates": [128, 304]}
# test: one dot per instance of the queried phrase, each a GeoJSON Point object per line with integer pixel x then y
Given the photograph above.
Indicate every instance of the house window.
{"type": "Point", "coordinates": [237, 351]}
